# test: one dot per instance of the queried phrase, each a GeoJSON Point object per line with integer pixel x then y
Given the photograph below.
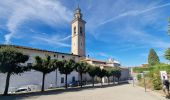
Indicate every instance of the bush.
{"type": "Point", "coordinates": [153, 74]}
{"type": "Point", "coordinates": [141, 69]}
{"type": "Point", "coordinates": [139, 77]}
{"type": "Point", "coordinates": [156, 81]}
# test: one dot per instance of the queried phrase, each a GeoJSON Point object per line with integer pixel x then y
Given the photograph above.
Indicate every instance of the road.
{"type": "Point", "coordinates": [120, 92]}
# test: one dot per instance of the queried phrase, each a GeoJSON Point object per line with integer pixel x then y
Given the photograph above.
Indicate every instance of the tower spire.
{"type": "Point", "coordinates": [78, 33]}
{"type": "Point", "coordinates": [78, 14]}
{"type": "Point", "coordinates": [78, 4]}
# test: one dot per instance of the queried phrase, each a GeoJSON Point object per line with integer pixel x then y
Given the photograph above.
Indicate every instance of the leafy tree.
{"type": "Point", "coordinates": [113, 71]}
{"type": "Point", "coordinates": [81, 68]}
{"type": "Point", "coordinates": [92, 72]}
{"type": "Point", "coordinates": [108, 74]}
{"type": "Point", "coordinates": [44, 66]}
{"type": "Point", "coordinates": [66, 68]}
{"type": "Point", "coordinates": [118, 74]}
{"type": "Point", "coordinates": [167, 54]}
{"type": "Point", "coordinates": [153, 58]}
{"type": "Point", "coordinates": [101, 73]}
{"type": "Point", "coordinates": [11, 62]}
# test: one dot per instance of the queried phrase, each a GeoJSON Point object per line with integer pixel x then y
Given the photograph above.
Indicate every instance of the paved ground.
{"type": "Point", "coordinates": [121, 92]}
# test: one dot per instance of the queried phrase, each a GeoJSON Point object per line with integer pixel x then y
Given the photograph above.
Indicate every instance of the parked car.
{"type": "Point", "coordinates": [22, 90]}
{"type": "Point", "coordinates": [27, 88]}
{"type": "Point", "coordinates": [74, 84]}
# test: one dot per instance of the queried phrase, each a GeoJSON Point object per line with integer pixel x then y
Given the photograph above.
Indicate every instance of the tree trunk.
{"type": "Point", "coordinates": [113, 80]}
{"type": "Point", "coordinates": [66, 81]}
{"type": "Point", "coordinates": [43, 80]}
{"type": "Point", "coordinates": [118, 80]}
{"type": "Point", "coordinates": [108, 80]}
{"type": "Point", "coordinates": [93, 81]}
{"type": "Point", "coordinates": [81, 77]}
{"type": "Point", "coordinates": [7, 83]}
{"type": "Point", "coordinates": [101, 82]}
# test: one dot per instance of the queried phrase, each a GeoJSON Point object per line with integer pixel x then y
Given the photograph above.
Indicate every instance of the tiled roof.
{"type": "Point", "coordinates": [36, 49]}
{"type": "Point", "coordinates": [90, 59]}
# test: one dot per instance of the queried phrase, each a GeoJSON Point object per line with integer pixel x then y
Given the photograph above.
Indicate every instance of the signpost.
{"type": "Point", "coordinates": [144, 72]}
{"type": "Point", "coordinates": [144, 81]}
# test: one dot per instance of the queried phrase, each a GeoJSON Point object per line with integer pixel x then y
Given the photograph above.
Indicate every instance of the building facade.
{"type": "Point", "coordinates": [55, 79]}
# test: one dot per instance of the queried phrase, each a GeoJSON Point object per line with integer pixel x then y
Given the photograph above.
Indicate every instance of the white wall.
{"type": "Point", "coordinates": [34, 77]}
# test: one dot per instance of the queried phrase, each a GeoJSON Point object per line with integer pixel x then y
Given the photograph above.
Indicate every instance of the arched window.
{"type": "Point", "coordinates": [81, 31]}
{"type": "Point", "coordinates": [73, 79]}
{"type": "Point", "coordinates": [74, 30]}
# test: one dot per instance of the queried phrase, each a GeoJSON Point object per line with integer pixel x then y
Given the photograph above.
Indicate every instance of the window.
{"type": "Point", "coordinates": [54, 55]}
{"type": "Point", "coordinates": [62, 56]}
{"type": "Point", "coordinates": [74, 30]}
{"type": "Point", "coordinates": [81, 31]}
{"type": "Point", "coordinates": [73, 79]}
{"type": "Point", "coordinates": [62, 79]}
{"type": "Point", "coordinates": [29, 64]}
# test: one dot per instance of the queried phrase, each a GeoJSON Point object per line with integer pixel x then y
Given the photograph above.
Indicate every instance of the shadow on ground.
{"type": "Point", "coordinates": [53, 92]}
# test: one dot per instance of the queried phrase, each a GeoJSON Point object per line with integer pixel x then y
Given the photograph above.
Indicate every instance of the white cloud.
{"type": "Point", "coordinates": [51, 12]}
{"type": "Point", "coordinates": [144, 39]}
{"type": "Point", "coordinates": [56, 40]}
{"type": "Point", "coordinates": [133, 13]}
{"type": "Point", "coordinates": [105, 55]}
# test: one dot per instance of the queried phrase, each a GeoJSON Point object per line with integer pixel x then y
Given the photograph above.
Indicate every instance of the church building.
{"type": "Point", "coordinates": [55, 79]}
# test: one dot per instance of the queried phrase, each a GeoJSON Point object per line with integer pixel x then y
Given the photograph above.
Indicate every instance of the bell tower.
{"type": "Point", "coordinates": [78, 34]}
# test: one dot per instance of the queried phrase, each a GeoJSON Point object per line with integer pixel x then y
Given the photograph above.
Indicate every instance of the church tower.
{"type": "Point", "coordinates": [78, 34]}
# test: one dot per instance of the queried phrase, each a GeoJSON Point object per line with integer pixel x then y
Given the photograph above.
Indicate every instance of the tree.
{"type": "Point", "coordinates": [118, 74]}
{"type": "Point", "coordinates": [81, 67]}
{"type": "Point", "coordinates": [101, 73]}
{"type": "Point", "coordinates": [108, 74]}
{"type": "Point", "coordinates": [153, 58]}
{"type": "Point", "coordinates": [66, 68]}
{"type": "Point", "coordinates": [92, 72]}
{"type": "Point", "coordinates": [44, 66]}
{"type": "Point", "coordinates": [167, 54]}
{"type": "Point", "coordinates": [12, 62]}
{"type": "Point", "coordinates": [113, 71]}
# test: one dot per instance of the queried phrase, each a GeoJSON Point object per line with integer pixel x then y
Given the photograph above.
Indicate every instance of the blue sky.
{"type": "Point", "coordinates": [122, 29]}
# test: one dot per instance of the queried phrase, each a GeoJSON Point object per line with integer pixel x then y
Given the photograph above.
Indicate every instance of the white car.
{"type": "Point", "coordinates": [22, 90]}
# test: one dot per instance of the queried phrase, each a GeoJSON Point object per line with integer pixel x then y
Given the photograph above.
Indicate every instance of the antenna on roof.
{"type": "Point", "coordinates": [78, 1]}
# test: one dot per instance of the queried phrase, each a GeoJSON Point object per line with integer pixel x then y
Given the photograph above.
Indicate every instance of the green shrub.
{"type": "Point", "coordinates": [141, 69]}
{"type": "Point", "coordinates": [156, 81]}
{"type": "Point", "coordinates": [139, 77]}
